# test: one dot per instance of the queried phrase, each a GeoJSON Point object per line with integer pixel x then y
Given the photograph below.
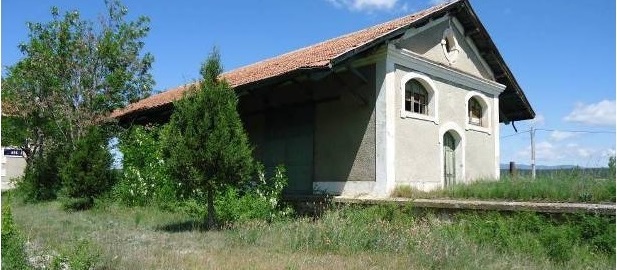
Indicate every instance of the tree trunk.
{"type": "Point", "coordinates": [211, 218]}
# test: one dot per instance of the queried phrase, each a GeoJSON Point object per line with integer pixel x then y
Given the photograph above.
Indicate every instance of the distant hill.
{"type": "Point", "coordinates": [542, 167]}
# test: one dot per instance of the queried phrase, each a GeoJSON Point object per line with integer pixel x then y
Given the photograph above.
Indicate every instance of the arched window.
{"type": "Point", "coordinates": [474, 111]}
{"type": "Point", "coordinates": [416, 97]}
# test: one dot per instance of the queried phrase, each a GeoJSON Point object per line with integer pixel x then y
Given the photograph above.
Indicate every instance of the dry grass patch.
{"type": "Point", "coordinates": [349, 238]}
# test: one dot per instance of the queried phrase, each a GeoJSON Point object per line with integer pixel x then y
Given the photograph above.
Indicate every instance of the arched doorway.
{"type": "Point", "coordinates": [449, 162]}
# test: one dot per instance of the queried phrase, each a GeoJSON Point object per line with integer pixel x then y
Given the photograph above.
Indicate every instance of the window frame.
{"type": "Point", "coordinates": [431, 106]}
{"type": "Point", "coordinates": [417, 99]}
{"type": "Point", "coordinates": [486, 119]}
{"type": "Point", "coordinates": [475, 112]}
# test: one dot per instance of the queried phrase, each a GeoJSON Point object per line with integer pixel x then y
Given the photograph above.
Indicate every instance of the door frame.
{"type": "Point", "coordinates": [459, 153]}
{"type": "Point", "coordinates": [448, 139]}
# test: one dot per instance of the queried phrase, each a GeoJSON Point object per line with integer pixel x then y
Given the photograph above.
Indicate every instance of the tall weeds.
{"type": "Point", "coordinates": [573, 186]}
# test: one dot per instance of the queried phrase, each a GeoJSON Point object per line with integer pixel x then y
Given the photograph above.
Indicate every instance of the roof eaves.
{"type": "Point", "coordinates": [506, 70]}
{"type": "Point", "coordinates": [425, 18]}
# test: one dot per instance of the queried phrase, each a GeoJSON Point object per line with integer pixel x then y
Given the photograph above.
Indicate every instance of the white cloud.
{"type": "Point", "coordinates": [595, 114]}
{"type": "Point", "coordinates": [609, 152]}
{"type": "Point", "coordinates": [561, 135]}
{"type": "Point", "coordinates": [568, 154]}
{"type": "Point", "coordinates": [438, 2]}
{"type": "Point", "coordinates": [544, 151]}
{"type": "Point", "coordinates": [368, 5]}
{"type": "Point", "coordinates": [584, 152]}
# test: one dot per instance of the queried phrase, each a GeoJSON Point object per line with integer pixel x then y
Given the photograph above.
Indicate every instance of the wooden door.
{"type": "Point", "coordinates": [289, 141]}
{"type": "Point", "coordinates": [449, 163]}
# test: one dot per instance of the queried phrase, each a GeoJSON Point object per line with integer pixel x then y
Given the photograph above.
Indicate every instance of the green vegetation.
{"type": "Point", "coordinates": [205, 146]}
{"type": "Point", "coordinates": [144, 179]}
{"type": "Point", "coordinates": [86, 175]}
{"type": "Point", "coordinates": [199, 167]}
{"type": "Point", "coordinates": [41, 181]}
{"type": "Point", "coordinates": [571, 186]}
{"type": "Point", "coordinates": [13, 253]}
{"type": "Point", "coordinates": [73, 73]}
{"type": "Point", "coordinates": [259, 200]}
{"type": "Point", "coordinates": [351, 237]}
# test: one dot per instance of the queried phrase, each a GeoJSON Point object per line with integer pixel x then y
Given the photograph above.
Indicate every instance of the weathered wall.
{"type": "Point", "coordinates": [329, 121]}
{"type": "Point", "coordinates": [428, 45]}
{"type": "Point", "coordinates": [12, 168]}
{"type": "Point", "coordinates": [345, 129]}
{"type": "Point", "coordinates": [418, 142]}
{"type": "Point", "coordinates": [480, 156]}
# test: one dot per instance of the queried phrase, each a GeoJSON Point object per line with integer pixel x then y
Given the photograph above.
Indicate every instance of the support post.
{"type": "Point", "coordinates": [533, 153]}
{"type": "Point", "coordinates": [512, 169]}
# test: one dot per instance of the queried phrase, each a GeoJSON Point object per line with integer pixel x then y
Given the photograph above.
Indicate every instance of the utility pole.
{"type": "Point", "coordinates": [533, 153]}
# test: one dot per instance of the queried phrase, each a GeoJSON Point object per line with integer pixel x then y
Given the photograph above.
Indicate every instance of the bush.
{"type": "Point", "coordinates": [41, 180]}
{"type": "Point", "coordinates": [13, 253]}
{"type": "Point", "coordinates": [259, 199]}
{"type": "Point", "coordinates": [144, 179]}
{"type": "Point", "coordinates": [81, 256]}
{"type": "Point", "coordinates": [87, 173]}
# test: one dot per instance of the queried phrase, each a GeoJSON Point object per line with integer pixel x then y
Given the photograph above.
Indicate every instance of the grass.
{"type": "Point", "coordinates": [559, 187]}
{"type": "Point", "coordinates": [115, 237]}
{"type": "Point", "coordinates": [13, 253]}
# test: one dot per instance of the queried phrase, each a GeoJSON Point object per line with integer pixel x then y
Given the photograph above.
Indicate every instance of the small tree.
{"type": "Point", "coordinates": [206, 146]}
{"type": "Point", "coordinates": [87, 173]}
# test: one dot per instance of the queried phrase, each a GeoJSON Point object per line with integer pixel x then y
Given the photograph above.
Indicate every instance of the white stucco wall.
{"type": "Point", "coordinates": [418, 140]}
{"type": "Point", "coordinates": [12, 167]}
{"type": "Point", "coordinates": [427, 43]}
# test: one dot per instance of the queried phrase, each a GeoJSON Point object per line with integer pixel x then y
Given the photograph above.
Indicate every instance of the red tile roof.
{"type": "Point", "coordinates": [319, 55]}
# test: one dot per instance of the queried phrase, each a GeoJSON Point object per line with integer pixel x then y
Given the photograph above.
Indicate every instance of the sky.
{"type": "Point", "coordinates": [562, 53]}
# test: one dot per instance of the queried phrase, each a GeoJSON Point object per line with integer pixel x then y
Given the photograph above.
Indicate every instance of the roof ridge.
{"type": "Point", "coordinates": [424, 12]}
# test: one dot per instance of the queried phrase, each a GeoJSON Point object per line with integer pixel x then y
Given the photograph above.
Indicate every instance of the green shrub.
{"type": "Point", "coordinates": [259, 199]}
{"type": "Point", "coordinates": [41, 180]}
{"type": "Point", "coordinates": [13, 252]}
{"type": "Point", "coordinates": [232, 207]}
{"type": "Point", "coordinates": [144, 179]}
{"type": "Point", "coordinates": [87, 173]}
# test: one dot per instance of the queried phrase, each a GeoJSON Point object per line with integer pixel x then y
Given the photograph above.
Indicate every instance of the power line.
{"type": "Point", "coordinates": [518, 133]}
{"type": "Point", "coordinates": [562, 130]}
{"type": "Point", "coordinates": [579, 131]}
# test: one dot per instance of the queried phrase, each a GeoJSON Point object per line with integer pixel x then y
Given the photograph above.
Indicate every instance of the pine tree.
{"type": "Point", "coordinates": [87, 173]}
{"type": "Point", "coordinates": [206, 147]}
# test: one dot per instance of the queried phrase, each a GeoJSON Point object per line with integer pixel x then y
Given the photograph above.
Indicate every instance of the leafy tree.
{"type": "Point", "coordinates": [87, 172]}
{"type": "Point", "coordinates": [206, 146]}
{"type": "Point", "coordinates": [73, 73]}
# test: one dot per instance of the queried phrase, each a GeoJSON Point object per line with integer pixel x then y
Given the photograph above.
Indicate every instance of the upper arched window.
{"type": "Point", "coordinates": [416, 97]}
{"type": "Point", "coordinates": [475, 112]}
{"type": "Point", "coordinates": [478, 111]}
